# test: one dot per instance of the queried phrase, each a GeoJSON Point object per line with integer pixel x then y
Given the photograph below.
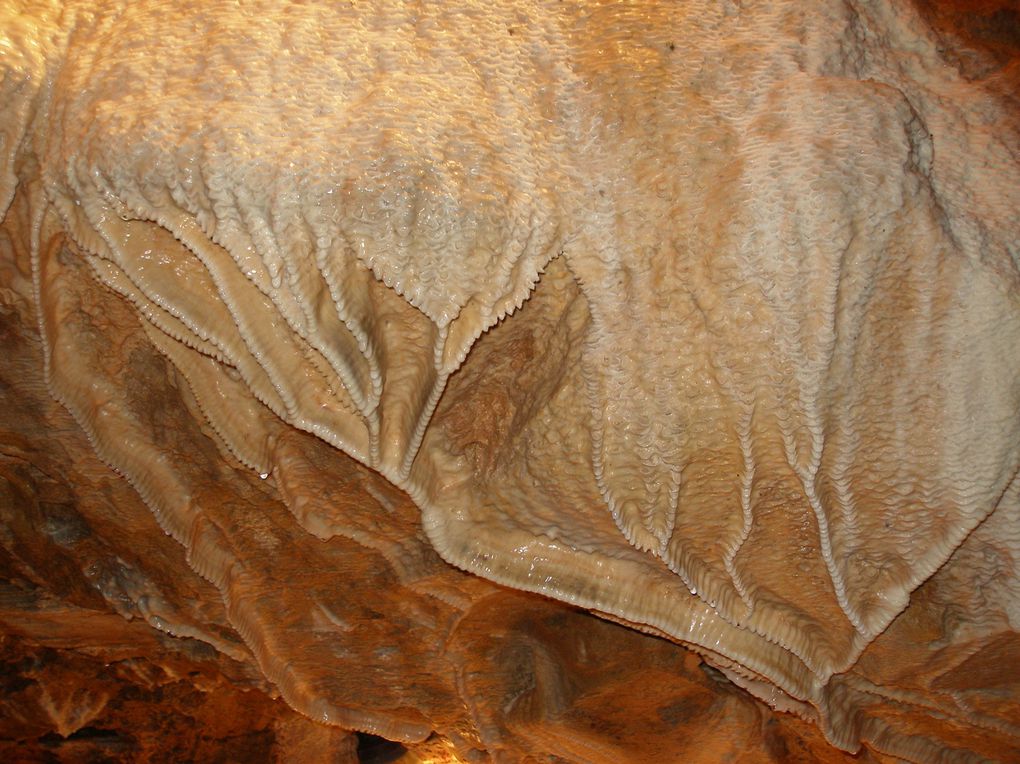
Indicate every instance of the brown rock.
{"type": "Point", "coordinates": [700, 318]}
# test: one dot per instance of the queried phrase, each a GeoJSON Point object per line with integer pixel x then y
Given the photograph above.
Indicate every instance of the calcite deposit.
{"type": "Point", "coordinates": [519, 381]}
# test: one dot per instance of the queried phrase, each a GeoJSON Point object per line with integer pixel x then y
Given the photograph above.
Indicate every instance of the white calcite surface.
{"type": "Point", "coordinates": [702, 316]}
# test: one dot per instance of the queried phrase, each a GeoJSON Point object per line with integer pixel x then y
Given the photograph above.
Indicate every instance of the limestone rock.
{"type": "Point", "coordinates": [700, 317]}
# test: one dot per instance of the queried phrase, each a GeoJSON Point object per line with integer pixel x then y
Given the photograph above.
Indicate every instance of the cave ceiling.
{"type": "Point", "coordinates": [601, 381]}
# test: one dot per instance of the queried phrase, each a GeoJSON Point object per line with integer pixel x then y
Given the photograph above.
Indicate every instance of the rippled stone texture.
{"type": "Point", "coordinates": [699, 316]}
{"type": "Point", "coordinates": [114, 648]}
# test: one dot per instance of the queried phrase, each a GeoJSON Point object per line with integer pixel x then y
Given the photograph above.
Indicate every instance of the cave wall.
{"type": "Point", "coordinates": [353, 355]}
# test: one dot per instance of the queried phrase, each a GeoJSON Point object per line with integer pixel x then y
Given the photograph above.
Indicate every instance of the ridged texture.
{"type": "Point", "coordinates": [765, 384]}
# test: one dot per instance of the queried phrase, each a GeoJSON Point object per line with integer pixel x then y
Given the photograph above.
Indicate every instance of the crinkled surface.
{"type": "Point", "coordinates": [699, 316]}
{"type": "Point", "coordinates": [115, 648]}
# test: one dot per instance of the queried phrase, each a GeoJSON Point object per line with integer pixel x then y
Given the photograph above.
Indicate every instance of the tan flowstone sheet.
{"type": "Point", "coordinates": [698, 316]}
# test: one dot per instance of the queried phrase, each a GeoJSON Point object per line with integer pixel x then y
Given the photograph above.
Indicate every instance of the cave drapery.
{"type": "Point", "coordinates": [511, 381]}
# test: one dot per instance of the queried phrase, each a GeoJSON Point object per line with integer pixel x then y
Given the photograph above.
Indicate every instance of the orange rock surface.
{"type": "Point", "coordinates": [114, 648]}
{"type": "Point", "coordinates": [586, 382]}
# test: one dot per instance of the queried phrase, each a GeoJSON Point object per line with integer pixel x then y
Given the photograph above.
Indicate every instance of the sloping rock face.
{"type": "Point", "coordinates": [699, 317]}
{"type": "Point", "coordinates": [115, 648]}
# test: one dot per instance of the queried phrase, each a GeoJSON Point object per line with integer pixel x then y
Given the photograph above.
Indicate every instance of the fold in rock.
{"type": "Point", "coordinates": [67, 524]}
{"type": "Point", "coordinates": [701, 320]}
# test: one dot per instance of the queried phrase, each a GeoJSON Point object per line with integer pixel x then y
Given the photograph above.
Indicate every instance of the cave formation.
{"type": "Point", "coordinates": [536, 382]}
